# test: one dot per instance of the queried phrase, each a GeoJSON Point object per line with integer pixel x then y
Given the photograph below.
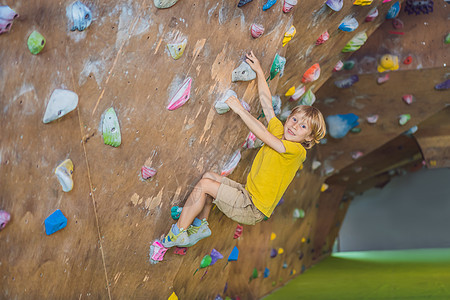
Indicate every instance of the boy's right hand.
{"type": "Point", "coordinates": [234, 103]}
{"type": "Point", "coordinates": [254, 62]}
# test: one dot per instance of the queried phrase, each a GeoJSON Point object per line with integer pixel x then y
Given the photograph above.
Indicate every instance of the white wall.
{"type": "Point", "coordinates": [410, 212]}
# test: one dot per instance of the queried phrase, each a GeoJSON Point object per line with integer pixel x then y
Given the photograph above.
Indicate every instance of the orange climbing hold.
{"type": "Point", "coordinates": [312, 74]}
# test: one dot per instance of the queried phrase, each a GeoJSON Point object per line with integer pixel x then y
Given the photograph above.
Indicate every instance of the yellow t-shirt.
{"type": "Point", "coordinates": [272, 172]}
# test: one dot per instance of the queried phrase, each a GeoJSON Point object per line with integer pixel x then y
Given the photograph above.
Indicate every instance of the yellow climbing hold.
{"type": "Point", "coordinates": [290, 92]}
{"type": "Point", "coordinates": [388, 62]}
{"type": "Point", "coordinates": [177, 49]}
{"type": "Point", "coordinates": [273, 236]}
{"type": "Point", "coordinates": [433, 163]}
{"type": "Point", "coordinates": [362, 2]}
{"type": "Point", "coordinates": [289, 35]}
{"type": "Point", "coordinates": [173, 296]}
{"type": "Point", "coordinates": [324, 187]}
{"type": "Point", "coordinates": [280, 251]}
{"type": "Point", "coordinates": [303, 240]}
{"type": "Point", "coordinates": [293, 272]}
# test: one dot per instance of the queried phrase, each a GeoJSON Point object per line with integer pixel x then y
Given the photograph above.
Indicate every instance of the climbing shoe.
{"type": "Point", "coordinates": [196, 233]}
{"type": "Point", "coordinates": [180, 240]}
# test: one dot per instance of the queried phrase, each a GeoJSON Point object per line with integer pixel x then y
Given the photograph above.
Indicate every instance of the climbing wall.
{"type": "Point", "coordinates": [122, 61]}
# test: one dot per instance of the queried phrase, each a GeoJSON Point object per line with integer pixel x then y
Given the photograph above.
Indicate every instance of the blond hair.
{"type": "Point", "coordinates": [315, 121]}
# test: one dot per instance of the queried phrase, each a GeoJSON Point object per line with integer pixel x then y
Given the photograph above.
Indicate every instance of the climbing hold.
{"type": "Point", "coordinates": [372, 119]}
{"type": "Point", "coordinates": [173, 296]}
{"type": "Point", "coordinates": [215, 256]}
{"type": "Point", "coordinates": [157, 251]}
{"type": "Point", "coordinates": [408, 60]}
{"type": "Point", "coordinates": [243, 73]}
{"type": "Point", "coordinates": [303, 240]}
{"type": "Point", "coordinates": [403, 119]}
{"type": "Point", "coordinates": [64, 174]}
{"type": "Point", "coordinates": [393, 11]}
{"type": "Point", "coordinates": [177, 49]}
{"type": "Point", "coordinates": [356, 154]}
{"type": "Point", "coordinates": [181, 96]}
{"type": "Point", "coordinates": [323, 38]}
{"type": "Point", "coordinates": [277, 66]}
{"type": "Point", "coordinates": [243, 2]}
{"type": "Point", "coordinates": [56, 221]}
{"type": "Point", "coordinates": [349, 24]}
{"type": "Point", "coordinates": [254, 274]}
{"type": "Point", "coordinates": [355, 130]}
{"type": "Point", "coordinates": [61, 103]}
{"type": "Point", "coordinates": [417, 7]}
{"type": "Point", "coordinates": [356, 42]}
{"type": "Point", "coordinates": [312, 74]}
{"type": "Point", "coordinates": [447, 38]}
{"type": "Point", "coordinates": [5, 26]}
{"type": "Point", "coordinates": [290, 91]}
{"type": "Point", "coordinates": [147, 172]}
{"type": "Point", "coordinates": [256, 30]}
{"type": "Point", "coordinates": [273, 236]}
{"type": "Point", "coordinates": [445, 85]}
{"type": "Point", "coordinates": [276, 104]}
{"type": "Point", "coordinates": [280, 250]}
{"type": "Point", "coordinates": [324, 187]}
{"type": "Point", "coordinates": [206, 261]}
{"type": "Point", "coordinates": [80, 16]}
{"type": "Point", "coordinates": [362, 2]}
{"type": "Point", "coordinates": [335, 5]}
{"type": "Point", "coordinates": [285, 265]}
{"type": "Point", "coordinates": [315, 164]}
{"type": "Point", "coordinates": [372, 15]}
{"type": "Point", "coordinates": [383, 79]}
{"type": "Point", "coordinates": [180, 250]}
{"type": "Point", "coordinates": [273, 253]}
{"type": "Point", "coordinates": [339, 65]}
{"type": "Point", "coordinates": [412, 130]}
{"type": "Point", "coordinates": [4, 219]}
{"type": "Point", "coordinates": [269, 4]}
{"type": "Point", "coordinates": [36, 42]}
{"type": "Point", "coordinates": [289, 35]}
{"type": "Point", "coordinates": [388, 62]}
{"type": "Point", "coordinates": [164, 3]}
{"type": "Point", "coordinates": [220, 106]}
{"type": "Point", "coordinates": [266, 273]}
{"type": "Point", "coordinates": [252, 142]}
{"type": "Point", "coordinates": [346, 82]}
{"type": "Point", "coordinates": [298, 213]}
{"type": "Point", "coordinates": [397, 23]}
{"type": "Point", "coordinates": [234, 254]}
{"type": "Point", "coordinates": [340, 125]}
{"type": "Point", "coordinates": [238, 231]}
{"type": "Point", "coordinates": [111, 128]}
{"type": "Point", "coordinates": [349, 64]}
{"type": "Point", "coordinates": [231, 164]}
{"type": "Point", "coordinates": [308, 98]}
{"type": "Point", "coordinates": [288, 5]}
{"type": "Point", "coordinates": [408, 98]}
{"type": "Point", "coordinates": [175, 212]}
{"type": "Point", "coordinates": [298, 93]}
{"type": "Point", "coordinates": [8, 14]}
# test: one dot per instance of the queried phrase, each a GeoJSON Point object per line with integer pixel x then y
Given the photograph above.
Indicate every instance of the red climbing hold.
{"type": "Point", "coordinates": [323, 38]}
{"type": "Point", "coordinates": [408, 60]}
{"type": "Point", "coordinates": [383, 79]}
{"type": "Point", "coordinates": [257, 30]}
{"type": "Point", "coordinates": [180, 250]}
{"type": "Point", "coordinates": [147, 172]}
{"type": "Point", "coordinates": [408, 98]}
{"type": "Point", "coordinates": [289, 5]}
{"type": "Point", "coordinates": [312, 74]}
{"type": "Point", "coordinates": [238, 231]}
{"type": "Point", "coordinates": [397, 23]}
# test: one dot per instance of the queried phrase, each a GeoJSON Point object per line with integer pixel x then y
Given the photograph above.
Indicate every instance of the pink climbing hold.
{"type": "Point", "coordinates": [181, 96]}
{"type": "Point", "coordinates": [339, 65]}
{"type": "Point", "coordinates": [238, 231]}
{"type": "Point", "coordinates": [357, 154]}
{"type": "Point", "coordinates": [397, 23]}
{"type": "Point", "coordinates": [157, 251]}
{"type": "Point", "coordinates": [323, 38]}
{"type": "Point", "coordinates": [312, 74]}
{"type": "Point", "coordinates": [289, 5]}
{"type": "Point", "coordinates": [372, 15]}
{"type": "Point", "coordinates": [408, 98]}
{"type": "Point", "coordinates": [147, 172]}
{"type": "Point", "coordinates": [372, 119]}
{"type": "Point", "coordinates": [4, 219]}
{"type": "Point", "coordinates": [383, 79]}
{"type": "Point", "coordinates": [256, 30]}
{"type": "Point", "coordinates": [180, 250]}
{"type": "Point", "coordinates": [231, 164]}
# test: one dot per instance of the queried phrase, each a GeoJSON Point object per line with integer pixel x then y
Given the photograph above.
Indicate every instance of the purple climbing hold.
{"type": "Point", "coordinates": [273, 253]}
{"type": "Point", "coordinates": [443, 85]}
{"type": "Point", "coordinates": [346, 82]}
{"type": "Point", "coordinates": [215, 256]}
{"type": "Point", "coordinates": [418, 7]}
{"type": "Point", "coordinates": [4, 219]}
{"type": "Point", "coordinates": [269, 4]}
{"type": "Point", "coordinates": [335, 5]}
{"type": "Point", "coordinates": [243, 2]}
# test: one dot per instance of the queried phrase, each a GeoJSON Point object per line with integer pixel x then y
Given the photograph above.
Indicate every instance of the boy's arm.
{"type": "Point", "coordinates": [263, 89]}
{"type": "Point", "coordinates": [256, 126]}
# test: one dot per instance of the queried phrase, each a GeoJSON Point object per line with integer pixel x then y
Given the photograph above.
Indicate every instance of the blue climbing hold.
{"type": "Point", "coordinates": [340, 125]}
{"type": "Point", "coordinates": [269, 4]}
{"type": "Point", "coordinates": [266, 273]}
{"type": "Point", "coordinates": [346, 82]}
{"type": "Point", "coordinates": [175, 212]}
{"type": "Point", "coordinates": [56, 221]}
{"type": "Point", "coordinates": [393, 11]}
{"type": "Point", "coordinates": [234, 254]}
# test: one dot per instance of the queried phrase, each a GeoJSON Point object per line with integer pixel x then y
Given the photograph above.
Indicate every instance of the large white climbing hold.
{"type": "Point", "coordinates": [220, 106]}
{"type": "Point", "coordinates": [79, 15]}
{"type": "Point", "coordinates": [61, 103]}
{"type": "Point", "coordinates": [243, 73]}
{"type": "Point", "coordinates": [6, 13]}
{"type": "Point", "coordinates": [64, 174]}
{"type": "Point", "coordinates": [231, 164]}
{"type": "Point", "coordinates": [164, 3]}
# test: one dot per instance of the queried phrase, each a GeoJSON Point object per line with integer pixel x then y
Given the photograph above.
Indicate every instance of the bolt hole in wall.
{"type": "Point", "coordinates": [410, 212]}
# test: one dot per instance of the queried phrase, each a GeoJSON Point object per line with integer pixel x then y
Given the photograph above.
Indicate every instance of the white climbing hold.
{"type": "Point", "coordinates": [221, 106]}
{"type": "Point", "coordinates": [231, 164]}
{"type": "Point", "coordinates": [64, 174]}
{"type": "Point", "coordinates": [80, 16]}
{"type": "Point", "coordinates": [177, 49]}
{"type": "Point", "coordinates": [164, 3]}
{"type": "Point", "coordinates": [61, 103]}
{"type": "Point", "coordinates": [243, 73]}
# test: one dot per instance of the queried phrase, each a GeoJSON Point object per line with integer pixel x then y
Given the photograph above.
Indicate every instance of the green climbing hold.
{"type": "Point", "coordinates": [299, 213]}
{"type": "Point", "coordinates": [277, 66]}
{"type": "Point", "coordinates": [111, 128]}
{"type": "Point", "coordinates": [308, 98]}
{"type": "Point", "coordinates": [355, 130]}
{"type": "Point", "coordinates": [273, 283]}
{"type": "Point", "coordinates": [36, 42]}
{"type": "Point", "coordinates": [255, 273]}
{"type": "Point", "coordinates": [447, 38]}
{"type": "Point", "coordinates": [356, 42]}
{"type": "Point", "coordinates": [206, 261]}
{"type": "Point", "coordinates": [349, 64]}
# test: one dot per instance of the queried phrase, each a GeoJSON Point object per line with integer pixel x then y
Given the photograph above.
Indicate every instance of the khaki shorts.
{"type": "Point", "coordinates": [235, 202]}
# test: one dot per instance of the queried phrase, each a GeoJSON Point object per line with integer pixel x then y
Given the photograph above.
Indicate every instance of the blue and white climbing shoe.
{"type": "Point", "coordinates": [196, 233]}
{"type": "Point", "coordinates": [179, 240]}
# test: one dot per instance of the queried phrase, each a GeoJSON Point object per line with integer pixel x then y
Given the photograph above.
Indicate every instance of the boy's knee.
{"type": "Point", "coordinates": [211, 175]}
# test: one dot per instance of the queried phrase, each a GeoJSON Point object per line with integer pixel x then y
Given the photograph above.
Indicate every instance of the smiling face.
{"type": "Point", "coordinates": [297, 129]}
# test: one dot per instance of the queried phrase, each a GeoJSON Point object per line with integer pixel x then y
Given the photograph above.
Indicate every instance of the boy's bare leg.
{"type": "Point", "coordinates": [197, 201]}
{"type": "Point", "coordinates": [208, 202]}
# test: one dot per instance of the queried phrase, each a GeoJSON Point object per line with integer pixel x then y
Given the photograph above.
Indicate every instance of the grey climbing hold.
{"type": "Point", "coordinates": [243, 73]}
{"type": "Point", "coordinates": [220, 106]}
{"type": "Point", "coordinates": [61, 103]}
{"type": "Point", "coordinates": [79, 15]}
{"type": "Point", "coordinates": [164, 3]}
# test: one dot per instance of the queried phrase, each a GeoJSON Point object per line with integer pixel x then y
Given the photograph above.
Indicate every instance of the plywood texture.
{"type": "Point", "coordinates": [121, 61]}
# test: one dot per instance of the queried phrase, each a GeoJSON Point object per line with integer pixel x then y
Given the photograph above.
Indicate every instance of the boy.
{"type": "Point", "coordinates": [272, 170]}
